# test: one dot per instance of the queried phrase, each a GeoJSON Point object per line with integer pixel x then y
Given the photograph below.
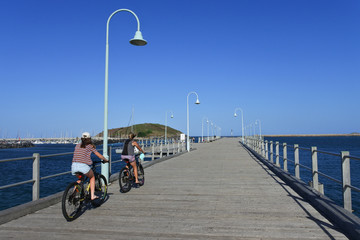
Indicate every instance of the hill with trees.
{"type": "Point", "coordinates": [145, 130]}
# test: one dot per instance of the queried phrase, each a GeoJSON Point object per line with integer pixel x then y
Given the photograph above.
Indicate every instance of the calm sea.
{"type": "Point", "coordinates": [327, 164]}
{"type": "Point", "coordinates": [17, 171]}
{"type": "Point", "coordinates": [12, 172]}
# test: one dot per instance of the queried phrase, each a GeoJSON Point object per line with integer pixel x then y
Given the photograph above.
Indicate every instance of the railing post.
{"type": "Point", "coordinates": [266, 150]}
{"type": "Point", "coordinates": [296, 159]}
{"type": "Point", "coordinates": [285, 157]}
{"type": "Point", "coordinates": [315, 176]}
{"type": "Point", "coordinates": [271, 152]}
{"type": "Point", "coordinates": [277, 154]}
{"type": "Point", "coordinates": [161, 149]}
{"type": "Point", "coordinates": [36, 176]}
{"type": "Point", "coordinates": [346, 181]}
{"type": "Point", "coordinates": [110, 156]}
{"type": "Point", "coordinates": [168, 149]}
{"type": "Point", "coordinates": [262, 147]}
{"type": "Point", "coordinates": [153, 151]}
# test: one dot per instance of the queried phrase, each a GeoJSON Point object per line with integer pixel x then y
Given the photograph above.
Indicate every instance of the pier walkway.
{"type": "Point", "coordinates": [218, 191]}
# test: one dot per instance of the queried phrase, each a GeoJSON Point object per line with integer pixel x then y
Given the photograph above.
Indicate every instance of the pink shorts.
{"type": "Point", "coordinates": [131, 158]}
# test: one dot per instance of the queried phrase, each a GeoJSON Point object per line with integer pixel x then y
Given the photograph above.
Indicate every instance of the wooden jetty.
{"type": "Point", "coordinates": [218, 191]}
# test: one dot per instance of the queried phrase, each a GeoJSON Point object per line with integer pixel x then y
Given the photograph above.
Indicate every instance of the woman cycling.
{"type": "Point", "coordinates": [82, 160]}
{"type": "Point", "coordinates": [129, 154]}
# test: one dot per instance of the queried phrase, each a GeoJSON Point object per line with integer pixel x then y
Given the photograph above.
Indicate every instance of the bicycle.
{"type": "Point", "coordinates": [76, 195]}
{"type": "Point", "coordinates": [127, 177]}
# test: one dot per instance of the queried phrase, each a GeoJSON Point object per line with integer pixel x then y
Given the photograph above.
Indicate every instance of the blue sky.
{"type": "Point", "coordinates": [293, 65]}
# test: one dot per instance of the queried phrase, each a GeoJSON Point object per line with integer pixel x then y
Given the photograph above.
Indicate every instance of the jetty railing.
{"type": "Point", "coordinates": [266, 150]}
{"type": "Point", "coordinates": [154, 149]}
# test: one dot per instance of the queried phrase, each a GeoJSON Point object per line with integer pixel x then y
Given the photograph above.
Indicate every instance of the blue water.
{"type": "Point", "coordinates": [12, 172]}
{"type": "Point", "coordinates": [327, 164]}
{"type": "Point", "coordinates": [16, 171]}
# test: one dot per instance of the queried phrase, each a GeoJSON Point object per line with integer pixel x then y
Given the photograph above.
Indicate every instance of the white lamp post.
{"type": "Point", "coordinates": [259, 126]}
{"type": "Point", "coordinates": [202, 128]}
{"type": "Point", "coordinates": [137, 41]}
{"type": "Point", "coordinates": [188, 131]}
{"type": "Point", "coordinates": [172, 116]}
{"type": "Point", "coordinates": [242, 122]}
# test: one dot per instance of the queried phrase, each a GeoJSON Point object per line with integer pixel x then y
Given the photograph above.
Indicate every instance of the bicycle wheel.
{"type": "Point", "coordinates": [141, 174]}
{"type": "Point", "coordinates": [100, 187]}
{"type": "Point", "coordinates": [71, 201]}
{"type": "Point", "coordinates": [125, 180]}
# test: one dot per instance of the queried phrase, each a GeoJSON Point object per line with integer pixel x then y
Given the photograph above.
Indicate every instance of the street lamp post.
{"type": "Point", "coordinates": [188, 131]}
{"type": "Point", "coordinates": [202, 128]}
{"type": "Point", "coordinates": [259, 126]}
{"type": "Point", "coordinates": [172, 116]}
{"type": "Point", "coordinates": [242, 122]}
{"type": "Point", "coordinates": [137, 41]}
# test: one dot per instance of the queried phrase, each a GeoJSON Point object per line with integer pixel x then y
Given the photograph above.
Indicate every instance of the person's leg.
{"type": "Point", "coordinates": [91, 176]}
{"type": "Point", "coordinates": [133, 164]}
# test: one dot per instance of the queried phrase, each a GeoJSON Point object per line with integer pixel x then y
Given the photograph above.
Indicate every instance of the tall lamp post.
{"type": "Point", "coordinates": [137, 41]}
{"type": "Point", "coordinates": [202, 128]}
{"type": "Point", "coordinates": [242, 122]}
{"type": "Point", "coordinates": [259, 126]}
{"type": "Point", "coordinates": [188, 131]}
{"type": "Point", "coordinates": [172, 116]}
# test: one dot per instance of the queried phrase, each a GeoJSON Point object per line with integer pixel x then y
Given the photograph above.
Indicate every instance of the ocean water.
{"type": "Point", "coordinates": [16, 171]}
{"type": "Point", "coordinates": [327, 164]}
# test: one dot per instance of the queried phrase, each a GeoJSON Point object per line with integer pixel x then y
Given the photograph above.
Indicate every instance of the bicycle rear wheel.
{"type": "Point", "coordinates": [141, 174]}
{"type": "Point", "coordinates": [71, 201]}
{"type": "Point", "coordinates": [100, 187]}
{"type": "Point", "coordinates": [125, 180]}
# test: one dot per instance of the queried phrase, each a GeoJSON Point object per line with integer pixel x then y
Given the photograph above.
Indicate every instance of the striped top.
{"type": "Point", "coordinates": [82, 155]}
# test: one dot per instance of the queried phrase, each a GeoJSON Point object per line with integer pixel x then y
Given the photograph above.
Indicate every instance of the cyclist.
{"type": "Point", "coordinates": [129, 154]}
{"type": "Point", "coordinates": [82, 160]}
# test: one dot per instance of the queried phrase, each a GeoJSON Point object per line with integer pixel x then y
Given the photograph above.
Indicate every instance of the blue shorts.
{"type": "Point", "coordinates": [79, 167]}
{"type": "Point", "coordinates": [131, 158]}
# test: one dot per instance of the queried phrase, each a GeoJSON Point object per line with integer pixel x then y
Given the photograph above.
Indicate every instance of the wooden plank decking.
{"type": "Point", "coordinates": [218, 191]}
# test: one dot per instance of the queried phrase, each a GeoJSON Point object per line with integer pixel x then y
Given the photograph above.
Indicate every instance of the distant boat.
{"type": "Point", "coordinates": [38, 142]}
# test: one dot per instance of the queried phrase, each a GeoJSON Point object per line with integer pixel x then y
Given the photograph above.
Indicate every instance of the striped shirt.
{"type": "Point", "coordinates": [82, 155]}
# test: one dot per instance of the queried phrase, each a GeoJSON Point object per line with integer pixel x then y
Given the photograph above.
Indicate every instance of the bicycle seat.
{"type": "Point", "coordinates": [79, 175]}
{"type": "Point", "coordinates": [126, 160]}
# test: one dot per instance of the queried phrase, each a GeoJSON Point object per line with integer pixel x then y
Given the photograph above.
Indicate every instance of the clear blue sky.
{"type": "Point", "coordinates": [293, 65]}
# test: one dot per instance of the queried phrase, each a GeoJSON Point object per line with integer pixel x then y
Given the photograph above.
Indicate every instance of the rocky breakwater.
{"type": "Point", "coordinates": [12, 144]}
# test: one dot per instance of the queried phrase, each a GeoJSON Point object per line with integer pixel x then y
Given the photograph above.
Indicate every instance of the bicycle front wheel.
{"type": "Point", "coordinates": [71, 201]}
{"type": "Point", "coordinates": [141, 174]}
{"type": "Point", "coordinates": [125, 180]}
{"type": "Point", "coordinates": [101, 187]}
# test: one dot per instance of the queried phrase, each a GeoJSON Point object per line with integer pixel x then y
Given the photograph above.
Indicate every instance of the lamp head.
{"type": "Point", "coordinates": [172, 116]}
{"type": "Point", "coordinates": [197, 101]}
{"type": "Point", "coordinates": [235, 115]}
{"type": "Point", "coordinates": [138, 39]}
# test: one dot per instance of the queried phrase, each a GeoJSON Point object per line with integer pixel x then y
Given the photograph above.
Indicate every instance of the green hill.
{"type": "Point", "coordinates": [146, 130]}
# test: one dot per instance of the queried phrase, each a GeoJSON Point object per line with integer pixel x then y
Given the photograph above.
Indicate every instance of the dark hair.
{"type": "Point", "coordinates": [85, 142]}
{"type": "Point", "coordinates": [132, 135]}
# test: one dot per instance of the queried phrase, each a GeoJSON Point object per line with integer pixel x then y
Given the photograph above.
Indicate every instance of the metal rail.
{"type": "Point", "coordinates": [262, 147]}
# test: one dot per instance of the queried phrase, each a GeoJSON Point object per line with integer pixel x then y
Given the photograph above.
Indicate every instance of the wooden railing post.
{"type": "Point", "coordinates": [271, 152]}
{"type": "Point", "coordinates": [153, 151]}
{"type": "Point", "coordinates": [296, 159]}
{"type": "Point", "coordinates": [266, 150]}
{"type": "Point", "coordinates": [161, 150]}
{"type": "Point", "coordinates": [277, 154]}
{"type": "Point", "coordinates": [36, 176]}
{"type": "Point", "coordinates": [285, 157]}
{"type": "Point", "coordinates": [346, 181]}
{"type": "Point", "coordinates": [315, 175]}
{"type": "Point", "coordinates": [110, 156]}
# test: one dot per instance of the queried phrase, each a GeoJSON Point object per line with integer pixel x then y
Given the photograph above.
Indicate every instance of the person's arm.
{"type": "Point", "coordinates": [101, 157]}
{"type": "Point", "coordinates": [138, 147]}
